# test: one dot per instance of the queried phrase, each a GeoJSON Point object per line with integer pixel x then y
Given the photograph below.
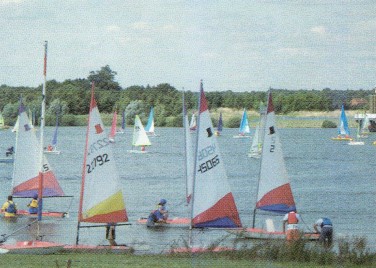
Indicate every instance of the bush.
{"type": "Point", "coordinates": [328, 124]}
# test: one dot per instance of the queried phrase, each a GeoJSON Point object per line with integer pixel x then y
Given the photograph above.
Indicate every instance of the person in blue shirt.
{"type": "Point", "coordinates": [159, 215]}
{"type": "Point", "coordinates": [326, 231]}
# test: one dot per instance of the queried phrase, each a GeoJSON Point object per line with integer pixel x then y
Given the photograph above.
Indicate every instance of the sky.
{"type": "Point", "coordinates": [232, 45]}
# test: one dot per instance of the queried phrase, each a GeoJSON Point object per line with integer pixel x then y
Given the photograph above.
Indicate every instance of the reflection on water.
{"type": "Point", "coordinates": [328, 178]}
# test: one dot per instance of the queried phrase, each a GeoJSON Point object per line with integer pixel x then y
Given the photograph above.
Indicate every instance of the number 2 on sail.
{"type": "Point", "coordinates": [100, 160]}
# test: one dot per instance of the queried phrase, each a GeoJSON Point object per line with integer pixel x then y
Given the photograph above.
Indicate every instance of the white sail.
{"type": "Point", "coordinates": [139, 134]}
{"type": "Point", "coordinates": [101, 195]}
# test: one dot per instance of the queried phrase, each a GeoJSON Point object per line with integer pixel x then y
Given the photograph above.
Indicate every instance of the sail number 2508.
{"type": "Point", "coordinates": [100, 160]}
{"type": "Point", "coordinates": [209, 164]}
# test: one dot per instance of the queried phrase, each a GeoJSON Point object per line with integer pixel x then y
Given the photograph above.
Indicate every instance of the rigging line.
{"type": "Point", "coordinates": [5, 236]}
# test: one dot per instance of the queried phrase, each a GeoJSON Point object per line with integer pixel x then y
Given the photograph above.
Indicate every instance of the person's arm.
{"type": "Point", "coordinates": [284, 226]}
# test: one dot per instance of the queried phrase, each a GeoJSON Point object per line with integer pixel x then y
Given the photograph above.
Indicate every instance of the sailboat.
{"type": "Point", "coordinates": [212, 202]}
{"type": "Point", "coordinates": [112, 135]}
{"type": "Point", "coordinates": [149, 128]}
{"type": "Point", "coordinates": [244, 127]}
{"type": "Point", "coordinates": [256, 146]}
{"type": "Point", "coordinates": [220, 126]}
{"type": "Point", "coordinates": [274, 194]}
{"type": "Point", "coordinates": [357, 141]}
{"type": "Point", "coordinates": [122, 129]}
{"type": "Point", "coordinates": [52, 148]}
{"type": "Point", "coordinates": [188, 168]}
{"type": "Point", "coordinates": [343, 129]}
{"type": "Point", "coordinates": [101, 197]}
{"type": "Point", "coordinates": [140, 139]}
{"type": "Point", "coordinates": [193, 123]}
{"type": "Point", "coordinates": [2, 124]}
{"type": "Point", "coordinates": [32, 175]}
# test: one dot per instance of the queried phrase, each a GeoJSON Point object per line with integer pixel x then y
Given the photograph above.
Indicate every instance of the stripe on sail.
{"type": "Point", "coordinates": [30, 188]}
{"type": "Point", "coordinates": [213, 204]}
{"type": "Point", "coordinates": [274, 192]}
{"type": "Point", "coordinates": [278, 200]}
{"type": "Point", "coordinates": [222, 215]}
{"type": "Point", "coordinates": [100, 200]}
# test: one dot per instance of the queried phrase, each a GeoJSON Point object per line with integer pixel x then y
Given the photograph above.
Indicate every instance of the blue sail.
{"type": "Point", "coordinates": [244, 126]}
{"type": "Point", "coordinates": [150, 124]}
{"type": "Point", "coordinates": [220, 123]}
{"type": "Point", "coordinates": [343, 125]}
{"type": "Point", "coordinates": [54, 138]}
{"type": "Point", "coordinates": [123, 120]}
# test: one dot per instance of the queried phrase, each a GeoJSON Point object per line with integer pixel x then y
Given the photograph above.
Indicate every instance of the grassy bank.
{"type": "Point", "coordinates": [349, 252]}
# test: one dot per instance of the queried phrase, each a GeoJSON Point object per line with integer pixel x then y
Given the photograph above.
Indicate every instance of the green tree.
{"type": "Point", "coordinates": [104, 79]}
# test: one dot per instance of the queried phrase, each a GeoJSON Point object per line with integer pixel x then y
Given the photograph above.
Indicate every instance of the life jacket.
{"type": "Point", "coordinates": [33, 203]}
{"type": "Point", "coordinates": [326, 221]}
{"type": "Point", "coordinates": [291, 218]}
{"type": "Point", "coordinates": [11, 207]}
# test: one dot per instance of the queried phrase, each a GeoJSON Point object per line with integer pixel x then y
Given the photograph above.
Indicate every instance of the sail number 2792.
{"type": "Point", "coordinates": [99, 159]}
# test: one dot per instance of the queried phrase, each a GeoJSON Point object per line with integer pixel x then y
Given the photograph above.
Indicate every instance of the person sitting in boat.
{"type": "Point", "coordinates": [292, 219]}
{"type": "Point", "coordinates": [326, 231]}
{"type": "Point", "coordinates": [160, 214]}
{"type": "Point", "coordinates": [110, 234]}
{"type": "Point", "coordinates": [50, 148]}
{"type": "Point", "coordinates": [9, 151]}
{"type": "Point", "coordinates": [9, 208]}
{"type": "Point", "coordinates": [33, 205]}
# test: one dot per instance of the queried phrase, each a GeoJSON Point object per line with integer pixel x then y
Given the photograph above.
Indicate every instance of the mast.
{"type": "Point", "coordinates": [185, 143]}
{"type": "Point", "coordinates": [40, 186]}
{"type": "Point", "coordinates": [262, 149]}
{"type": "Point", "coordinates": [84, 166]}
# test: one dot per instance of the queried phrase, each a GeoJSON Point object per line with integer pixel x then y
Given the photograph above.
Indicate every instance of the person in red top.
{"type": "Point", "coordinates": [292, 219]}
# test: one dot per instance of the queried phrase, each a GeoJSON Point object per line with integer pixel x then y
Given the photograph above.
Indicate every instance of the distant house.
{"type": "Point", "coordinates": [358, 103]}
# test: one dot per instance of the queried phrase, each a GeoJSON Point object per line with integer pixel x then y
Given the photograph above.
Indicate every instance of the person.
{"type": "Point", "coordinates": [143, 148]}
{"type": "Point", "coordinates": [33, 205]}
{"type": "Point", "coordinates": [49, 148]}
{"type": "Point", "coordinates": [9, 151]}
{"type": "Point", "coordinates": [110, 234]}
{"type": "Point", "coordinates": [326, 231]}
{"type": "Point", "coordinates": [292, 219]}
{"type": "Point", "coordinates": [159, 215]}
{"type": "Point", "coordinates": [9, 208]}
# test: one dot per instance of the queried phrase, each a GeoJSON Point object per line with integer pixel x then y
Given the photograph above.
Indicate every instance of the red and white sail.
{"type": "Point", "coordinates": [213, 204]}
{"type": "Point", "coordinates": [274, 190]}
{"type": "Point", "coordinates": [113, 127]}
{"type": "Point", "coordinates": [101, 199]}
{"type": "Point", "coordinates": [27, 163]}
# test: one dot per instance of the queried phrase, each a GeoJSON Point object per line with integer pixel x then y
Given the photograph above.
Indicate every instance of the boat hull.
{"type": "Point", "coordinates": [52, 152]}
{"type": "Point", "coordinates": [342, 139]}
{"type": "Point", "coordinates": [25, 213]}
{"type": "Point", "coordinates": [98, 249]}
{"type": "Point", "coordinates": [170, 222]}
{"type": "Point", "coordinates": [200, 249]}
{"type": "Point", "coordinates": [258, 233]}
{"type": "Point", "coordinates": [33, 247]}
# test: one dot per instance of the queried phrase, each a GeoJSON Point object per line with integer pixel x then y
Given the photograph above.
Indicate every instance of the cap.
{"type": "Point", "coordinates": [162, 201]}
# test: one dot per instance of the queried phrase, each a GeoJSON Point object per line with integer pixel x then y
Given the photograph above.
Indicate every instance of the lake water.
{"type": "Point", "coordinates": [328, 178]}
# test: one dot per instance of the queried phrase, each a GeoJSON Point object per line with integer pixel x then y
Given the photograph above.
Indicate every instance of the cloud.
{"type": "Point", "coordinates": [112, 28]}
{"type": "Point", "coordinates": [7, 2]}
{"type": "Point", "coordinates": [321, 30]}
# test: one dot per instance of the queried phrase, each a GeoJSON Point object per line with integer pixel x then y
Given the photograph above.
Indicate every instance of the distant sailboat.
{"type": "Point", "coordinates": [101, 197]}
{"type": "Point", "coordinates": [343, 129]}
{"type": "Point", "coordinates": [358, 140]}
{"type": "Point", "coordinates": [256, 146]}
{"type": "Point", "coordinates": [2, 124]}
{"type": "Point", "coordinates": [244, 126]}
{"type": "Point", "coordinates": [140, 139]}
{"type": "Point", "coordinates": [52, 148]}
{"type": "Point", "coordinates": [149, 128]}
{"type": "Point", "coordinates": [220, 126]}
{"type": "Point", "coordinates": [193, 123]}
{"type": "Point", "coordinates": [122, 129]}
{"type": "Point", "coordinates": [112, 135]}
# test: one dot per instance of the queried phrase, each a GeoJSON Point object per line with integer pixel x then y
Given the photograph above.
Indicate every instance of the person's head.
{"type": "Point", "coordinates": [35, 196]}
{"type": "Point", "coordinates": [162, 202]}
{"type": "Point", "coordinates": [10, 198]}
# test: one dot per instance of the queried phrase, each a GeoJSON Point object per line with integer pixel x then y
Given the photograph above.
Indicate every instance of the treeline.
{"type": "Point", "coordinates": [70, 98]}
